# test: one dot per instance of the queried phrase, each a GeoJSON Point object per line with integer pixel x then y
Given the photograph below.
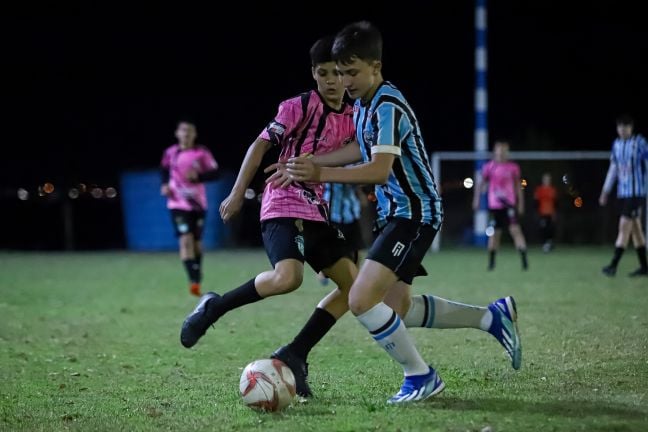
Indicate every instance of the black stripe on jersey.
{"type": "Point", "coordinates": [361, 132]}
{"type": "Point", "coordinates": [392, 203]}
{"type": "Point", "coordinates": [403, 181]}
{"type": "Point", "coordinates": [320, 127]}
{"type": "Point", "coordinates": [633, 165]}
{"type": "Point", "coordinates": [305, 98]}
{"type": "Point", "coordinates": [389, 322]}
{"type": "Point", "coordinates": [417, 140]}
{"type": "Point", "coordinates": [395, 131]}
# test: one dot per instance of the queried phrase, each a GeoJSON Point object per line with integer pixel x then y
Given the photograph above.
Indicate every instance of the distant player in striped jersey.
{"type": "Point", "coordinates": [628, 169]}
{"type": "Point", "coordinates": [185, 166]}
{"type": "Point", "coordinates": [501, 177]}
{"type": "Point", "coordinates": [389, 142]}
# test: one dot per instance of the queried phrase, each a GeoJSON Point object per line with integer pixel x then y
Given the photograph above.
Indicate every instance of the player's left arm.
{"type": "Point", "coordinates": [519, 192]}
{"type": "Point", "coordinates": [209, 167]}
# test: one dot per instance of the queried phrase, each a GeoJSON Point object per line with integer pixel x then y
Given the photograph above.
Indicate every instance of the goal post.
{"type": "Point", "coordinates": [480, 217]}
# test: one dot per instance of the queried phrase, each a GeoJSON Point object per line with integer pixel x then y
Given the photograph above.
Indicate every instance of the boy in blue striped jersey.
{"type": "Point", "coordinates": [628, 169]}
{"type": "Point", "coordinates": [389, 142]}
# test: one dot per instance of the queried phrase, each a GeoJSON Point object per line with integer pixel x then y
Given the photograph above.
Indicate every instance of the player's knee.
{"type": "Point", "coordinates": [287, 282]}
{"type": "Point", "coordinates": [358, 305]}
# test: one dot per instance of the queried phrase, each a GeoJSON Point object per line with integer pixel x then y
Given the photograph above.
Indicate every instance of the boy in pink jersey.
{"type": "Point", "coordinates": [185, 166]}
{"type": "Point", "coordinates": [501, 178]}
{"type": "Point", "coordinates": [294, 220]}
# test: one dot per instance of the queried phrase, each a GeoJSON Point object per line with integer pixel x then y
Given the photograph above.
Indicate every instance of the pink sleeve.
{"type": "Point", "coordinates": [284, 123]}
{"type": "Point", "coordinates": [486, 170]}
{"type": "Point", "coordinates": [165, 163]}
{"type": "Point", "coordinates": [208, 161]}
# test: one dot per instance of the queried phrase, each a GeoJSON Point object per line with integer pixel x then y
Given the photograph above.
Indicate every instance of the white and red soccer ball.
{"type": "Point", "coordinates": [267, 385]}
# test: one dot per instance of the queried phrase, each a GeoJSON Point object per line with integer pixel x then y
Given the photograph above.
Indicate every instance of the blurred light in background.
{"type": "Point", "coordinates": [490, 230]}
{"type": "Point", "coordinates": [73, 193]}
{"type": "Point", "coordinates": [111, 192]}
{"type": "Point", "coordinates": [249, 193]}
{"type": "Point", "coordinates": [48, 187]}
{"type": "Point", "coordinates": [23, 195]}
{"type": "Point", "coordinates": [468, 183]}
{"type": "Point", "coordinates": [578, 202]}
{"type": "Point", "coordinates": [523, 183]}
{"type": "Point", "coordinates": [96, 193]}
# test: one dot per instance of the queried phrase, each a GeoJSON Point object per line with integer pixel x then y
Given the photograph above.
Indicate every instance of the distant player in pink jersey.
{"type": "Point", "coordinates": [185, 166]}
{"type": "Point", "coordinates": [294, 219]}
{"type": "Point", "coordinates": [505, 201]}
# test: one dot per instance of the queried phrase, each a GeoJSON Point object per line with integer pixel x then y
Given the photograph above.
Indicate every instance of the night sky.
{"type": "Point", "coordinates": [89, 94]}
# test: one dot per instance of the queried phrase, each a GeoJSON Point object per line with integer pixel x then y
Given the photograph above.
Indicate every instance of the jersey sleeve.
{"type": "Point", "coordinates": [388, 129]}
{"type": "Point", "coordinates": [207, 160]}
{"type": "Point", "coordinates": [166, 159]}
{"type": "Point", "coordinates": [284, 124]}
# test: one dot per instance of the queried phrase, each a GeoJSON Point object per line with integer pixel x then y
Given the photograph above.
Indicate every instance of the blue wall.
{"type": "Point", "coordinates": [147, 221]}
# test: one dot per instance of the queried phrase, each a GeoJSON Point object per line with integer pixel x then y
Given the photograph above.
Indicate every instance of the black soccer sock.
{"type": "Point", "coordinates": [523, 255]}
{"type": "Point", "coordinates": [193, 270]}
{"type": "Point", "coordinates": [198, 259]}
{"type": "Point", "coordinates": [491, 259]}
{"type": "Point", "coordinates": [641, 254]}
{"type": "Point", "coordinates": [317, 326]}
{"type": "Point", "coordinates": [238, 297]}
{"type": "Point", "coordinates": [618, 253]}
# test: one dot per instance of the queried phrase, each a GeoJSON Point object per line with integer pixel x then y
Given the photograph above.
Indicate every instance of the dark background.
{"type": "Point", "coordinates": [88, 94]}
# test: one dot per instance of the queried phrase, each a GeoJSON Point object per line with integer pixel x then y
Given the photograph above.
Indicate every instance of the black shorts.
{"type": "Point", "coordinates": [631, 207]}
{"type": "Point", "coordinates": [352, 233]}
{"type": "Point", "coordinates": [185, 222]}
{"type": "Point", "coordinates": [502, 218]}
{"type": "Point", "coordinates": [401, 246]}
{"type": "Point", "coordinates": [319, 244]}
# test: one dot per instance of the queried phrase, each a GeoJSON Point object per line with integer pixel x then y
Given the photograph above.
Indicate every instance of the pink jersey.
{"type": "Point", "coordinates": [304, 125]}
{"type": "Point", "coordinates": [502, 178]}
{"type": "Point", "coordinates": [186, 195]}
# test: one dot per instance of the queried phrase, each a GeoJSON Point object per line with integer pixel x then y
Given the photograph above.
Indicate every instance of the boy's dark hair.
{"type": "Point", "coordinates": [625, 119]}
{"type": "Point", "coordinates": [360, 40]}
{"type": "Point", "coordinates": [503, 140]}
{"type": "Point", "coordinates": [320, 52]}
{"type": "Point", "coordinates": [187, 120]}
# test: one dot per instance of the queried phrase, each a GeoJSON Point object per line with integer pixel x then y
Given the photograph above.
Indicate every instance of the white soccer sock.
{"type": "Point", "coordinates": [436, 312]}
{"type": "Point", "coordinates": [389, 331]}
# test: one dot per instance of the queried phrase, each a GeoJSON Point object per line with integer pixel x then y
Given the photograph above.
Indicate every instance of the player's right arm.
{"type": "Point", "coordinates": [610, 178]}
{"type": "Point", "coordinates": [233, 203]}
{"type": "Point", "coordinates": [165, 174]}
{"type": "Point", "coordinates": [480, 187]}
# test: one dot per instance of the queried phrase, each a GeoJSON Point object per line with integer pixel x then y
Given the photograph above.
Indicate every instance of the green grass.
{"type": "Point", "coordinates": [90, 341]}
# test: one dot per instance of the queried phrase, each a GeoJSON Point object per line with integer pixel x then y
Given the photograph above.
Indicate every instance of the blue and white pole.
{"type": "Point", "coordinates": [480, 219]}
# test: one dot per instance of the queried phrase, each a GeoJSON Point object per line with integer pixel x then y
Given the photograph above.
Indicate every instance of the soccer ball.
{"type": "Point", "coordinates": [267, 385]}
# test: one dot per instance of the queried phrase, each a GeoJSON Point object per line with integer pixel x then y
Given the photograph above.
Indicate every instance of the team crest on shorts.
{"type": "Point", "coordinates": [299, 239]}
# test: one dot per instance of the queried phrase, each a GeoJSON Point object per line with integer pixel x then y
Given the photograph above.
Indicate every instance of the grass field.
{"type": "Point", "coordinates": [90, 341]}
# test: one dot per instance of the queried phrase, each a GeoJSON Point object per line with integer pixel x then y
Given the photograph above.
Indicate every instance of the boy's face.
{"type": "Point", "coordinates": [359, 77]}
{"type": "Point", "coordinates": [329, 82]}
{"type": "Point", "coordinates": [624, 130]}
{"type": "Point", "coordinates": [186, 132]}
{"type": "Point", "coordinates": [500, 151]}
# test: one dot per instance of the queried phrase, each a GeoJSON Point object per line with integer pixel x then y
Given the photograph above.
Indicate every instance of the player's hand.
{"type": "Point", "coordinates": [165, 190]}
{"type": "Point", "coordinates": [280, 177]}
{"type": "Point", "coordinates": [192, 176]}
{"type": "Point", "coordinates": [303, 169]}
{"type": "Point", "coordinates": [231, 206]}
{"type": "Point", "coordinates": [603, 199]}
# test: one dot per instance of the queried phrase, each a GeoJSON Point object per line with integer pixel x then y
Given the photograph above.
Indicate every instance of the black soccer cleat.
{"type": "Point", "coordinates": [298, 367]}
{"type": "Point", "coordinates": [198, 321]}
{"type": "Point", "coordinates": [639, 272]}
{"type": "Point", "coordinates": [609, 270]}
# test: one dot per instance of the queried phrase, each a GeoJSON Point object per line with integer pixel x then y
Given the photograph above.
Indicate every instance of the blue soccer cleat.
{"type": "Point", "coordinates": [504, 328]}
{"type": "Point", "coordinates": [418, 387]}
